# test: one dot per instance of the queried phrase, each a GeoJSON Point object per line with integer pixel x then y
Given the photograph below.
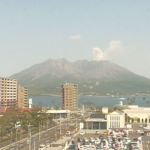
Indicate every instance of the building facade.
{"type": "Point", "coordinates": [8, 92]}
{"type": "Point", "coordinates": [96, 122]}
{"type": "Point", "coordinates": [22, 97]}
{"type": "Point", "coordinates": [116, 119]}
{"type": "Point", "coordinates": [59, 113]}
{"type": "Point", "coordinates": [140, 115]}
{"type": "Point", "coordinates": [134, 113]}
{"type": "Point", "coordinates": [69, 96]}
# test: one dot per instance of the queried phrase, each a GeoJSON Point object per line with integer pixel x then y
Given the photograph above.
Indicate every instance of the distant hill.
{"type": "Point", "coordinates": [92, 77]}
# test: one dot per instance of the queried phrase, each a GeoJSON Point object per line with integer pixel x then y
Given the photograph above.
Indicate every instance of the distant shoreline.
{"type": "Point", "coordinates": [52, 95]}
{"type": "Point", "coordinates": [57, 95]}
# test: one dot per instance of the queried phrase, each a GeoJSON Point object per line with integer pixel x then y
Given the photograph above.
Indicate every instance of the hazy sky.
{"type": "Point", "coordinates": [32, 31]}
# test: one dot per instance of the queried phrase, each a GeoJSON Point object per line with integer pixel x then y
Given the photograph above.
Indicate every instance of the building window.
{"type": "Point", "coordinates": [103, 125]}
{"type": "Point", "coordinates": [95, 125]}
{"type": "Point", "coordinates": [89, 125]}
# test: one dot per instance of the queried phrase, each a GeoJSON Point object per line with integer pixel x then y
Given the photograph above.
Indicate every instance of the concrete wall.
{"type": "Point", "coordinates": [93, 131]}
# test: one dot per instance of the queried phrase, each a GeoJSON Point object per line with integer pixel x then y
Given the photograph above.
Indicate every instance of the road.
{"type": "Point", "coordinates": [42, 137]}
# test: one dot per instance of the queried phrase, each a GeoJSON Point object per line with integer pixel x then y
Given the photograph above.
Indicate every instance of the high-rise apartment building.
{"type": "Point", "coordinates": [70, 96]}
{"type": "Point", "coordinates": [8, 92]}
{"type": "Point", "coordinates": [22, 97]}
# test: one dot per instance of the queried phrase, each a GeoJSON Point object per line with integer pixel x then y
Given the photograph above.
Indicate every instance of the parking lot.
{"type": "Point", "coordinates": [116, 139]}
{"type": "Point", "coordinates": [135, 135]}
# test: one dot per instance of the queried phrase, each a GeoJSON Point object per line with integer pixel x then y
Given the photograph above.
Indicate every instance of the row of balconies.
{"type": "Point", "coordinates": [8, 85]}
{"type": "Point", "coordinates": [6, 96]}
{"type": "Point", "coordinates": [9, 93]}
{"type": "Point", "coordinates": [8, 90]}
{"type": "Point", "coordinates": [8, 100]}
{"type": "Point", "coordinates": [7, 103]}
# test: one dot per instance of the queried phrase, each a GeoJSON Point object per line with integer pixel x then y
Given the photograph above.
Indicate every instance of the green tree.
{"type": "Point", "coordinates": [53, 102]}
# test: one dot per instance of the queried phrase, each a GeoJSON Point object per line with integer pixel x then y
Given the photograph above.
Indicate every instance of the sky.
{"type": "Point", "coordinates": [32, 31]}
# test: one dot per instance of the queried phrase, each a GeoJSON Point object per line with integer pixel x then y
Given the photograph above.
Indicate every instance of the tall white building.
{"type": "Point", "coordinates": [8, 92]}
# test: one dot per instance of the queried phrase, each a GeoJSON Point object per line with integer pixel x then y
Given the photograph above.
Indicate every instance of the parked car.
{"type": "Point", "coordinates": [47, 145]}
{"type": "Point", "coordinates": [101, 136]}
{"type": "Point", "coordinates": [82, 133]}
{"type": "Point", "coordinates": [142, 133]}
{"type": "Point", "coordinates": [98, 147]}
{"type": "Point", "coordinates": [97, 141]}
{"type": "Point", "coordinates": [97, 132]}
{"type": "Point", "coordinates": [105, 132]}
{"type": "Point", "coordinates": [68, 133]}
{"type": "Point", "coordinates": [42, 147]}
{"type": "Point", "coordinates": [72, 147]}
{"type": "Point", "coordinates": [86, 140]}
{"type": "Point", "coordinates": [92, 140]}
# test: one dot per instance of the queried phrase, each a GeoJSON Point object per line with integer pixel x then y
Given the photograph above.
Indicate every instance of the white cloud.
{"type": "Point", "coordinates": [97, 54]}
{"type": "Point", "coordinates": [114, 49]}
{"type": "Point", "coordinates": [75, 37]}
{"type": "Point", "coordinates": [115, 46]}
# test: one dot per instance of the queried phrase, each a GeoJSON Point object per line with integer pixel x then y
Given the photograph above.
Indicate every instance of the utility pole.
{"type": "Point", "coordinates": [17, 126]}
{"type": "Point", "coordinates": [34, 145]}
{"type": "Point", "coordinates": [47, 124]}
{"type": "Point", "coordinates": [16, 137]}
{"type": "Point", "coordinates": [60, 128]}
{"type": "Point", "coordinates": [29, 132]}
{"type": "Point", "coordinates": [39, 131]}
{"type": "Point", "coordinates": [10, 137]}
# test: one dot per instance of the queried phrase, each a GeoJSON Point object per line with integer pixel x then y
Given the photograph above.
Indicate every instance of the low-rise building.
{"type": "Point", "coordinates": [116, 119]}
{"type": "Point", "coordinates": [96, 122]}
{"type": "Point", "coordinates": [102, 122]}
{"type": "Point", "coordinates": [140, 115]}
{"type": "Point", "coordinates": [59, 113]}
{"type": "Point", "coordinates": [134, 113]}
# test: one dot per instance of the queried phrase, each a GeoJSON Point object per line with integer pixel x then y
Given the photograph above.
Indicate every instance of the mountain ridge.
{"type": "Point", "coordinates": [47, 77]}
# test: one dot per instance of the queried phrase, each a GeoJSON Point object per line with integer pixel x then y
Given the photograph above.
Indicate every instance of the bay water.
{"type": "Point", "coordinates": [105, 101]}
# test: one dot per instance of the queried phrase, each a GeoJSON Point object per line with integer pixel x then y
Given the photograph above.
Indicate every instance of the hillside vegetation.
{"type": "Point", "coordinates": [92, 77]}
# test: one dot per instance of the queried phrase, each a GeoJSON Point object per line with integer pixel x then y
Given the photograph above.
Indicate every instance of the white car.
{"type": "Point", "coordinates": [42, 147]}
{"type": "Point", "coordinates": [47, 145]}
{"type": "Point", "coordinates": [68, 133]}
{"type": "Point", "coordinates": [86, 146]}
{"type": "Point", "coordinates": [82, 133]}
{"type": "Point", "coordinates": [127, 140]}
{"type": "Point", "coordinates": [86, 140]}
{"type": "Point", "coordinates": [97, 141]}
{"type": "Point", "coordinates": [92, 140]}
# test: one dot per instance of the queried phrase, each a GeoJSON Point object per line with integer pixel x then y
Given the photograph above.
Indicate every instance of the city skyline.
{"type": "Point", "coordinates": [34, 31]}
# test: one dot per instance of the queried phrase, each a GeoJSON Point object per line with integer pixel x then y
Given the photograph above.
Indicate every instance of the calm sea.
{"type": "Point", "coordinates": [47, 101]}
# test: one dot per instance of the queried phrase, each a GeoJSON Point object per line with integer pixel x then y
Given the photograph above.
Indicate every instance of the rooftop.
{"type": "Point", "coordinates": [99, 116]}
